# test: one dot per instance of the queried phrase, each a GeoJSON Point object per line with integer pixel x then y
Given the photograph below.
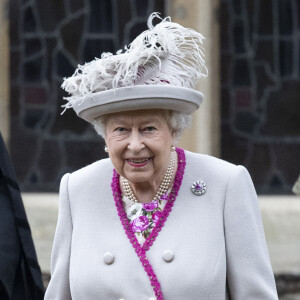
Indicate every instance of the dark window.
{"type": "Point", "coordinates": [260, 79]}
{"type": "Point", "coordinates": [48, 39]}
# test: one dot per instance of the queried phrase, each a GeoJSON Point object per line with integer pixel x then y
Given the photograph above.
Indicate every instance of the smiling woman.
{"type": "Point", "coordinates": [139, 144]}
{"type": "Point", "coordinates": [140, 209]}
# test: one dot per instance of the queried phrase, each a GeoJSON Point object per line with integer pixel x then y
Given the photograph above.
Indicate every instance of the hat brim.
{"type": "Point", "coordinates": [138, 97]}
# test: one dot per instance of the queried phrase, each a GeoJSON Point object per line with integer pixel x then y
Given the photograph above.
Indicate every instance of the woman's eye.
{"type": "Point", "coordinates": [120, 129]}
{"type": "Point", "coordinates": [149, 128]}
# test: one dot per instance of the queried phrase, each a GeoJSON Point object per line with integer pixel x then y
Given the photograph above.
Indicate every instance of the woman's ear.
{"type": "Point", "coordinates": [174, 138]}
{"type": "Point", "coordinates": [105, 145]}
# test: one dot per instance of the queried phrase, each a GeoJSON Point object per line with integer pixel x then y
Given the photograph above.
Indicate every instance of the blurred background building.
{"type": "Point", "coordinates": [250, 116]}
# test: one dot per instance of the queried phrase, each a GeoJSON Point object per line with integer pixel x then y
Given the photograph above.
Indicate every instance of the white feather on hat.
{"type": "Point", "coordinates": [165, 54]}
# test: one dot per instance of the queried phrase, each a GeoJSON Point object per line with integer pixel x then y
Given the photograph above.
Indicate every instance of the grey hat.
{"type": "Point", "coordinates": [158, 70]}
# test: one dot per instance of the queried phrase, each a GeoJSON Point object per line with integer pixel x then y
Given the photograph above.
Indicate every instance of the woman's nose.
{"type": "Point", "coordinates": [135, 143]}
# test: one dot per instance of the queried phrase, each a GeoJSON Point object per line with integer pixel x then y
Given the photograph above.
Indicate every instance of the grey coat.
{"type": "Point", "coordinates": [217, 240]}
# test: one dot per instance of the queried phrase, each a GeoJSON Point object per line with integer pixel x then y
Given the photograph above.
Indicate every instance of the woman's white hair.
{"type": "Point", "coordinates": [177, 122]}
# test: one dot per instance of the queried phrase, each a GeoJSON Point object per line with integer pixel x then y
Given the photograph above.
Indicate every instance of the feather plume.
{"type": "Point", "coordinates": [167, 53]}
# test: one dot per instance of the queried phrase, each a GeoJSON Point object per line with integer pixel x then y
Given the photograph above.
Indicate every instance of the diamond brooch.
{"type": "Point", "coordinates": [199, 187]}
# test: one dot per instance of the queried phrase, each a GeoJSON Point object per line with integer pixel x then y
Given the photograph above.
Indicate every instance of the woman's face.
{"type": "Point", "coordinates": [139, 144]}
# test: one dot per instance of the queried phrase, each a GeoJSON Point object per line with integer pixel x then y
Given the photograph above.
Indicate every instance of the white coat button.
{"type": "Point", "coordinates": [168, 255]}
{"type": "Point", "coordinates": [108, 258]}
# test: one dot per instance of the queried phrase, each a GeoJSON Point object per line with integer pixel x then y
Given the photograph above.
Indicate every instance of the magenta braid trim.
{"type": "Point", "coordinates": [141, 251]}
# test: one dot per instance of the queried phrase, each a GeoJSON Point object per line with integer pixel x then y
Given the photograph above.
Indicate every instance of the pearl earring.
{"type": "Point", "coordinates": [173, 148]}
{"type": "Point", "coordinates": [106, 149]}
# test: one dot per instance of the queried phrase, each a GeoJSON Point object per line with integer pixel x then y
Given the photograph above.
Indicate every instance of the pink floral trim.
{"type": "Point", "coordinates": [150, 206]}
{"type": "Point", "coordinates": [141, 250]}
{"type": "Point", "coordinates": [156, 216]}
{"type": "Point", "coordinates": [164, 197]}
{"type": "Point", "coordinates": [140, 224]}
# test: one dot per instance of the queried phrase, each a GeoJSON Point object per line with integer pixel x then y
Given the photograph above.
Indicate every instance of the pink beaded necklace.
{"type": "Point", "coordinates": [141, 250]}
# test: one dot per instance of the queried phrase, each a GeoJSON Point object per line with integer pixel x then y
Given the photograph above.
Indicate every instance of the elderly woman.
{"type": "Point", "coordinates": [154, 221]}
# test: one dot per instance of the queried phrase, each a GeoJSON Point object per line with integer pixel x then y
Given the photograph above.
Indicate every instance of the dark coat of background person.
{"type": "Point", "coordinates": [20, 274]}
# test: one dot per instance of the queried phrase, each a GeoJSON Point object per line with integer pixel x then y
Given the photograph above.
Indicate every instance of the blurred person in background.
{"type": "Point", "coordinates": [20, 274]}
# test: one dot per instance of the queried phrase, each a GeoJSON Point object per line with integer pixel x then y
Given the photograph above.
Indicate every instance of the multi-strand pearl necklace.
{"type": "Point", "coordinates": [163, 188]}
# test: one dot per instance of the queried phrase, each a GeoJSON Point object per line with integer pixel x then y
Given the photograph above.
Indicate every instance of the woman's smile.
{"type": "Point", "coordinates": [138, 162]}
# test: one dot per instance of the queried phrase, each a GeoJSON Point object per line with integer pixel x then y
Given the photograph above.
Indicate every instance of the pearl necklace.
{"type": "Point", "coordinates": [163, 188]}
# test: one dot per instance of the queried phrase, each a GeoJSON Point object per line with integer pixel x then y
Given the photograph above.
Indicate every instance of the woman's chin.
{"type": "Point", "coordinates": [138, 172]}
{"type": "Point", "coordinates": [138, 177]}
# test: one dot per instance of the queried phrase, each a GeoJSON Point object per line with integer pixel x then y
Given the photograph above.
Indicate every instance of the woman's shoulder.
{"type": "Point", "coordinates": [214, 170]}
{"type": "Point", "coordinates": [208, 162]}
{"type": "Point", "coordinates": [99, 168]}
